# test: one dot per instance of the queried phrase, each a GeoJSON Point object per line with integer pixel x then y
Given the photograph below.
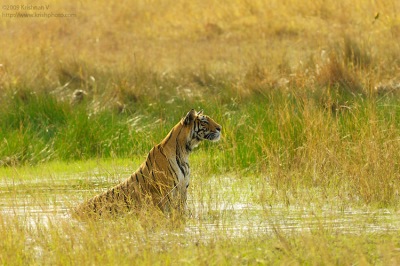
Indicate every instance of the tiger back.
{"type": "Point", "coordinates": [162, 180]}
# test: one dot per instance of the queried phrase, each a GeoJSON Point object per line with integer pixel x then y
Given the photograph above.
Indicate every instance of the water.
{"type": "Point", "coordinates": [247, 220]}
{"type": "Point", "coordinates": [213, 203]}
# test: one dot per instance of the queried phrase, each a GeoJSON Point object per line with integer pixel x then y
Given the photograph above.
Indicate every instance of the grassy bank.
{"type": "Point", "coordinates": [351, 147]}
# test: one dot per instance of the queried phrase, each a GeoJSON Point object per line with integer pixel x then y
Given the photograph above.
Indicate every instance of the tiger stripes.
{"type": "Point", "coordinates": [162, 180]}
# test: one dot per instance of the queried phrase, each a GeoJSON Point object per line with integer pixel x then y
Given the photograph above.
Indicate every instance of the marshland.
{"type": "Point", "coordinates": [307, 170]}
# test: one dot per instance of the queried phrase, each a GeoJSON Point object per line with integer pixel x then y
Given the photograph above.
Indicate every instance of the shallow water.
{"type": "Point", "coordinates": [245, 220]}
{"type": "Point", "coordinates": [44, 201]}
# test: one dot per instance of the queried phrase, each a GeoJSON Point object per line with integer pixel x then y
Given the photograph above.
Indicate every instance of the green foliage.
{"type": "Point", "coordinates": [303, 138]}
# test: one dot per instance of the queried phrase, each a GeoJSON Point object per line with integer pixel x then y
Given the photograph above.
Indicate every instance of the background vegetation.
{"type": "Point", "coordinates": [307, 93]}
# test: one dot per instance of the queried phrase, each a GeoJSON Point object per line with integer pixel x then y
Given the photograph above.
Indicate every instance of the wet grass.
{"type": "Point", "coordinates": [230, 224]}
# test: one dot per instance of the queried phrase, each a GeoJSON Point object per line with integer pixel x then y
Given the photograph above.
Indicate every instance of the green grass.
{"type": "Point", "coordinates": [294, 138]}
{"type": "Point", "coordinates": [281, 152]}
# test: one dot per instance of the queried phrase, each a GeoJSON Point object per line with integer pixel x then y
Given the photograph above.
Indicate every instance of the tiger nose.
{"type": "Point", "coordinates": [218, 128]}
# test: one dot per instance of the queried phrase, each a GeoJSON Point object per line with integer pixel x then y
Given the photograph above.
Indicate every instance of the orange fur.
{"type": "Point", "coordinates": [162, 180]}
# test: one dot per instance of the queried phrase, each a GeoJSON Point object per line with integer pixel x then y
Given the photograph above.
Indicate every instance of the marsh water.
{"type": "Point", "coordinates": [217, 204]}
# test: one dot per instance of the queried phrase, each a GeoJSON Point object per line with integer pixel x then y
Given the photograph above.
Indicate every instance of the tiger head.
{"type": "Point", "coordinates": [200, 127]}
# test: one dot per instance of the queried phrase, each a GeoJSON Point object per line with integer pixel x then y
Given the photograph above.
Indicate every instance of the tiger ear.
{"type": "Point", "coordinates": [200, 112]}
{"type": "Point", "coordinates": [190, 116]}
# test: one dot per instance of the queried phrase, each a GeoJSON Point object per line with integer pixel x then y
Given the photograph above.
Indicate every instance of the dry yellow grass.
{"type": "Point", "coordinates": [222, 36]}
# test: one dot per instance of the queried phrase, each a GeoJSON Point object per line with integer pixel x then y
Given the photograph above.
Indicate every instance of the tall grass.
{"type": "Point", "coordinates": [36, 227]}
{"type": "Point", "coordinates": [301, 139]}
{"type": "Point", "coordinates": [122, 242]}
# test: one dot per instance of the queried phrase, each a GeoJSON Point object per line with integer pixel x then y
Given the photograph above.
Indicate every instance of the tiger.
{"type": "Point", "coordinates": [162, 180]}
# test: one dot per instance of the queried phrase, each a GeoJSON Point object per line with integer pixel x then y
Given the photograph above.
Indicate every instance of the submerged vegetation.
{"type": "Point", "coordinates": [307, 95]}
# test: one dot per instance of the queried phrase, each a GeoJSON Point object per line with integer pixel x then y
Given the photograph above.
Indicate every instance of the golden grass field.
{"type": "Point", "coordinates": [283, 38]}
